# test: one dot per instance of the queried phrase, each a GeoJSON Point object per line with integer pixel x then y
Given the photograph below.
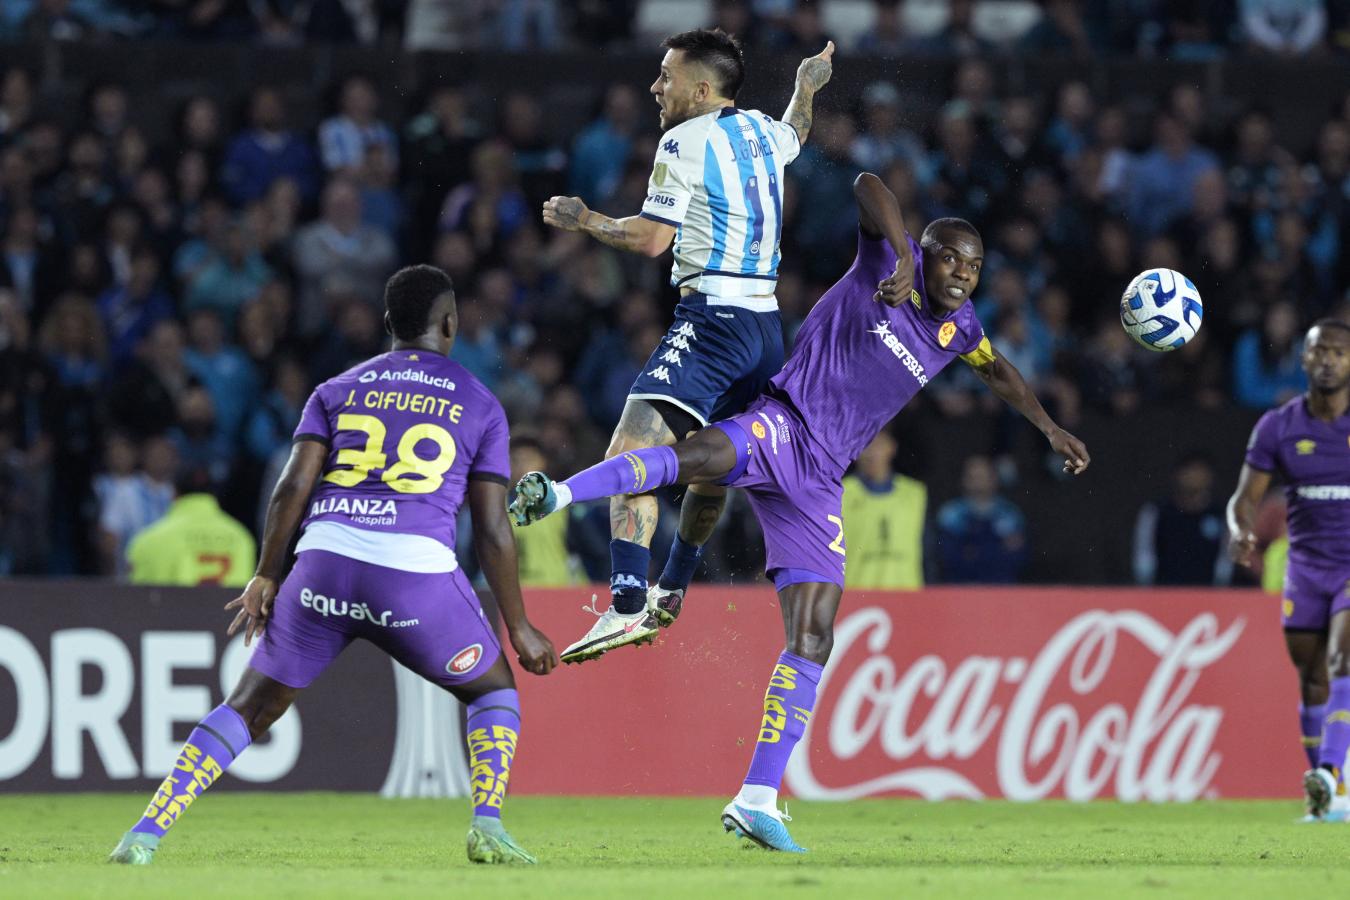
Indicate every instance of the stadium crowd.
{"type": "Point", "coordinates": [168, 305]}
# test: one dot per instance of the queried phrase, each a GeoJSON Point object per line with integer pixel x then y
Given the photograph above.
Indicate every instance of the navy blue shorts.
{"type": "Point", "coordinates": [714, 360]}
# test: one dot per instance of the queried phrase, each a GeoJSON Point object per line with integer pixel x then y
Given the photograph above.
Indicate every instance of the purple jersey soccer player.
{"type": "Point", "coordinates": [897, 318]}
{"type": "Point", "coordinates": [395, 445]}
{"type": "Point", "coordinates": [1307, 441]}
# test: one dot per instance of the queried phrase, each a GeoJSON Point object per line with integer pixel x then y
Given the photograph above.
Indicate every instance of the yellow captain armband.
{"type": "Point", "coordinates": [982, 355]}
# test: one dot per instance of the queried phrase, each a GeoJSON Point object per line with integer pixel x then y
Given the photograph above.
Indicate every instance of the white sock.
{"type": "Point", "coordinates": [564, 495]}
{"type": "Point", "coordinates": [758, 796]}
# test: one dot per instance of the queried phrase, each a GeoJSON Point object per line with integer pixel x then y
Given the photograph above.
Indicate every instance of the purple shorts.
{"type": "Point", "coordinates": [431, 623]}
{"type": "Point", "coordinates": [1312, 595]}
{"type": "Point", "coordinates": [796, 494]}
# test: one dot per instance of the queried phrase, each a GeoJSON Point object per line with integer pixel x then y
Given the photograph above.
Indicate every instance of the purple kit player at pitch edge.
{"type": "Point", "coordinates": [395, 445]}
{"type": "Point", "coordinates": [1307, 441]}
{"type": "Point", "coordinates": [875, 338]}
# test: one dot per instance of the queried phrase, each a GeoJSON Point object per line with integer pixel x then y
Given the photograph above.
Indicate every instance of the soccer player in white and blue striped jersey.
{"type": "Point", "coordinates": [716, 191]}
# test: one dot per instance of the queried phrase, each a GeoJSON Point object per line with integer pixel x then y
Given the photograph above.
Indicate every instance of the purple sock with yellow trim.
{"type": "Point", "coordinates": [1310, 722]}
{"type": "Point", "coordinates": [1336, 725]}
{"type": "Point", "coordinates": [788, 702]}
{"type": "Point", "coordinates": [216, 742]}
{"type": "Point", "coordinates": [631, 472]}
{"type": "Point", "coordinates": [493, 726]}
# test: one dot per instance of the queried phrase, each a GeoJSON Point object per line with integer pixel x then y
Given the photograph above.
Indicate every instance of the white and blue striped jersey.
{"type": "Point", "coordinates": [718, 180]}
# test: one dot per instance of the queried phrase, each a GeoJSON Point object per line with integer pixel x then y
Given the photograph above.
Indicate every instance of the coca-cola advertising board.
{"type": "Point", "coordinates": [1022, 693]}
{"type": "Point", "coordinates": [944, 693]}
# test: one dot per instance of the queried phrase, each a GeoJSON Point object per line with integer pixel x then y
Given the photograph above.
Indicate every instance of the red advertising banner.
{"type": "Point", "coordinates": [1021, 693]}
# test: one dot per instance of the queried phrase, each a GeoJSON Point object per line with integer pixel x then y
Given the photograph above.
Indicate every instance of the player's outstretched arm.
{"type": "Point", "coordinates": [496, 548]}
{"type": "Point", "coordinates": [812, 75]}
{"type": "Point", "coordinates": [1005, 381]}
{"type": "Point", "coordinates": [284, 512]}
{"type": "Point", "coordinates": [635, 234]}
{"type": "Point", "coordinates": [879, 216]}
{"type": "Point", "coordinates": [1251, 488]}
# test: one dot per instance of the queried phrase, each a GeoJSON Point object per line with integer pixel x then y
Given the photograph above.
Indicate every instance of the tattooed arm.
{"type": "Point", "coordinates": [635, 234]}
{"type": "Point", "coordinates": [812, 75]}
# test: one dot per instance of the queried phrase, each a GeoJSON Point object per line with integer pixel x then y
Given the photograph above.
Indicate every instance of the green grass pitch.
{"type": "Point", "coordinates": [332, 845]}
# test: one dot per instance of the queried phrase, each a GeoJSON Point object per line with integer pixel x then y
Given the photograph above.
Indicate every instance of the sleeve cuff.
{"type": "Point", "coordinates": [489, 476]}
{"type": "Point", "coordinates": [646, 215]}
{"type": "Point", "coordinates": [307, 436]}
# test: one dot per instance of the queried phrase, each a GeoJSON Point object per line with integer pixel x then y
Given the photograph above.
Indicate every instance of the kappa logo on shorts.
{"type": "Point", "coordinates": [945, 333]}
{"type": "Point", "coordinates": [465, 660]}
{"type": "Point", "coordinates": [757, 430]}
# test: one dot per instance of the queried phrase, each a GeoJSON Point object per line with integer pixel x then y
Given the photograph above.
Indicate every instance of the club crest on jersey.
{"type": "Point", "coordinates": [1305, 447]}
{"type": "Point", "coordinates": [465, 660]}
{"type": "Point", "coordinates": [945, 333]}
{"type": "Point", "coordinates": [757, 429]}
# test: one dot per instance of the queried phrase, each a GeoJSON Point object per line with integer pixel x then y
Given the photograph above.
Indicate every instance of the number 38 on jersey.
{"type": "Point", "coordinates": [410, 473]}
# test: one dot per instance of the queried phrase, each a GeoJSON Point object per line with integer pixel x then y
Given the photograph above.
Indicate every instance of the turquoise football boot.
{"type": "Point", "coordinates": [763, 828]}
{"type": "Point", "coordinates": [489, 843]}
{"type": "Point", "coordinates": [135, 849]}
{"type": "Point", "coordinates": [535, 498]}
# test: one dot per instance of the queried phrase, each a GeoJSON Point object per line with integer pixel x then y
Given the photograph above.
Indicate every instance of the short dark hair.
{"type": "Point", "coordinates": [949, 223]}
{"type": "Point", "coordinates": [715, 49]}
{"type": "Point", "coordinates": [410, 294]}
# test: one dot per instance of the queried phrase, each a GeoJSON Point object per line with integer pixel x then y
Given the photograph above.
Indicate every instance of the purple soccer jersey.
{"type": "Point", "coordinates": [857, 361]}
{"type": "Point", "coordinates": [1312, 457]}
{"type": "Point", "coordinates": [406, 431]}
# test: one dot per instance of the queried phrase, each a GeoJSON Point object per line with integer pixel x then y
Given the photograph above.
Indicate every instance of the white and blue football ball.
{"type": "Point", "coordinates": [1161, 310]}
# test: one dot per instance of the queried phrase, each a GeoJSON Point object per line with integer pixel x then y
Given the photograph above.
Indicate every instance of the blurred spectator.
{"type": "Point", "coordinates": [981, 536]}
{"type": "Point", "coordinates": [194, 543]}
{"type": "Point", "coordinates": [144, 399]}
{"type": "Point", "coordinates": [957, 37]}
{"type": "Point", "coordinates": [28, 267]}
{"type": "Point", "coordinates": [352, 335]}
{"type": "Point", "coordinates": [886, 37]}
{"type": "Point", "coordinates": [804, 34]}
{"type": "Point", "coordinates": [439, 144]}
{"type": "Point", "coordinates": [340, 247]}
{"type": "Point", "coordinates": [1161, 183]}
{"type": "Point", "coordinates": [128, 501]}
{"type": "Point", "coordinates": [965, 178]}
{"type": "Point", "coordinates": [519, 25]}
{"type": "Point", "coordinates": [347, 138]}
{"type": "Point", "coordinates": [544, 557]}
{"type": "Point", "coordinates": [223, 369]}
{"type": "Point", "coordinates": [16, 103]}
{"type": "Point", "coordinates": [268, 150]}
{"type": "Point", "coordinates": [129, 311]}
{"type": "Point", "coordinates": [827, 218]}
{"type": "Point", "coordinates": [1284, 27]}
{"type": "Point", "coordinates": [230, 277]}
{"type": "Point", "coordinates": [271, 422]}
{"type": "Point", "coordinates": [1183, 540]}
{"type": "Point", "coordinates": [602, 150]}
{"type": "Point", "coordinates": [883, 520]}
{"type": "Point", "coordinates": [1267, 361]}
{"type": "Point", "coordinates": [1111, 371]}
{"type": "Point", "coordinates": [490, 206]}
{"type": "Point", "coordinates": [883, 140]}
{"type": "Point", "coordinates": [1069, 133]}
{"type": "Point", "coordinates": [539, 161]}
{"type": "Point", "coordinates": [1061, 31]}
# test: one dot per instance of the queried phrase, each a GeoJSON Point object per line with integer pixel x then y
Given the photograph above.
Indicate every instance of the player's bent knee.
{"type": "Point", "coordinates": [815, 647]}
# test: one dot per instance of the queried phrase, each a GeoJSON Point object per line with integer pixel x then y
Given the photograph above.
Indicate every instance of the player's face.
{"type": "Point", "coordinates": [951, 270]}
{"type": "Point", "coordinates": [1326, 358]}
{"type": "Point", "coordinates": [676, 89]}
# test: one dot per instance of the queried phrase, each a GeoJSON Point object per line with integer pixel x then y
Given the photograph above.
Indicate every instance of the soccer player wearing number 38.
{"type": "Point", "coordinates": [394, 445]}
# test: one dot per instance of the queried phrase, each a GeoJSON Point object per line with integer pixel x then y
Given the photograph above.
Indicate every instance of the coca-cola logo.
{"type": "Point", "coordinates": [1105, 706]}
